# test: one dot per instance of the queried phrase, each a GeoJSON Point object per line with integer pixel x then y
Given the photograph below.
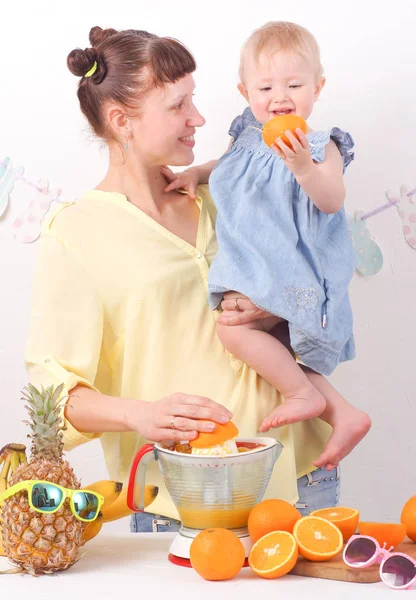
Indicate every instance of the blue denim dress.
{"type": "Point", "coordinates": [277, 248]}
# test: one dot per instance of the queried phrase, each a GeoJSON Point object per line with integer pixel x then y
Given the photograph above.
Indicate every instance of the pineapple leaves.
{"type": "Point", "coordinates": [46, 422]}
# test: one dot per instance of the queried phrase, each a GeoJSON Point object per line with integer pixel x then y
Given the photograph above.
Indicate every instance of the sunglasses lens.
{"type": "Point", "coordinates": [360, 551]}
{"type": "Point", "coordinates": [398, 571]}
{"type": "Point", "coordinates": [46, 497]}
{"type": "Point", "coordinates": [86, 505]}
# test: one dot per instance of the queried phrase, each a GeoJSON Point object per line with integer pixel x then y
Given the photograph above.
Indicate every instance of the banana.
{"type": "Point", "coordinates": [3, 485]}
{"type": "Point", "coordinates": [107, 488]}
{"type": "Point", "coordinates": [119, 508]}
{"type": "Point", "coordinates": [12, 448]}
{"type": "Point", "coordinates": [111, 491]}
{"type": "Point", "coordinates": [92, 529]}
{"type": "Point", "coordinates": [14, 461]}
{"type": "Point", "coordinates": [6, 466]}
{"type": "Point", "coordinates": [10, 457]}
{"type": "Point", "coordinates": [150, 493]}
{"type": "Point", "coordinates": [116, 510]}
{"type": "Point", "coordinates": [4, 472]}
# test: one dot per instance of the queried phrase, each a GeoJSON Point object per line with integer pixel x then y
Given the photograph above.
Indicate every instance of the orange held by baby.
{"type": "Point", "coordinates": [277, 127]}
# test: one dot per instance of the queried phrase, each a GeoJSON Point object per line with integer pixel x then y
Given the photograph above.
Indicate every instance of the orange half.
{"type": "Point", "coordinates": [221, 434]}
{"type": "Point", "coordinates": [391, 534]}
{"type": "Point", "coordinates": [346, 519]}
{"type": "Point", "coordinates": [317, 538]}
{"type": "Point", "coordinates": [274, 555]}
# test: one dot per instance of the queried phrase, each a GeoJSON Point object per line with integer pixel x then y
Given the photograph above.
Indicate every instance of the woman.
{"type": "Point", "coordinates": [126, 324]}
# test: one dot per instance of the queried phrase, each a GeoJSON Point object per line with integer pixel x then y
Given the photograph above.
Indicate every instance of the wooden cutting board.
{"type": "Point", "coordinates": [336, 568]}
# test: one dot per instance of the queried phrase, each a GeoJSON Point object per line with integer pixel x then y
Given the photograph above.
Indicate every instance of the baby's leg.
{"type": "Point", "coordinates": [252, 344]}
{"type": "Point", "coordinates": [349, 424]}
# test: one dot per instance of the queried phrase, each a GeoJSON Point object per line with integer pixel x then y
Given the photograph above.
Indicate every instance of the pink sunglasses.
{"type": "Point", "coordinates": [397, 570]}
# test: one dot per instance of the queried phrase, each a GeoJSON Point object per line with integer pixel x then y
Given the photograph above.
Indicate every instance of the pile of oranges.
{"type": "Point", "coordinates": [280, 534]}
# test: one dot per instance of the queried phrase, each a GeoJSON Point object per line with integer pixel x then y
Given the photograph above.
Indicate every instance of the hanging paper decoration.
{"type": "Point", "coordinates": [27, 226]}
{"type": "Point", "coordinates": [368, 256]}
{"type": "Point", "coordinates": [8, 177]}
{"type": "Point", "coordinates": [37, 201]}
{"type": "Point", "coordinates": [33, 201]}
{"type": "Point", "coordinates": [406, 206]}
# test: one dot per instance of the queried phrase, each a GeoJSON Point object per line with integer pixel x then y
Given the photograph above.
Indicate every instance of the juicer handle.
{"type": "Point", "coordinates": [136, 487]}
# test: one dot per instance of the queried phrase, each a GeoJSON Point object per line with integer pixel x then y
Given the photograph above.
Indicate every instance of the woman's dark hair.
{"type": "Point", "coordinates": [121, 66]}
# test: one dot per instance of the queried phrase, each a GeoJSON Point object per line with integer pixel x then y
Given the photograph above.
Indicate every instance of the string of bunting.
{"type": "Point", "coordinates": [27, 225]}
{"type": "Point", "coordinates": [368, 255]}
{"type": "Point", "coordinates": [389, 204]}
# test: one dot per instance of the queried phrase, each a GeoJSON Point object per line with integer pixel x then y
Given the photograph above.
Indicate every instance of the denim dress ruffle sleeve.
{"type": "Point", "coordinates": [279, 249]}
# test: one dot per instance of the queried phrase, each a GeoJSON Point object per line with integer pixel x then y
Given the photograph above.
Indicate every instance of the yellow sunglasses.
{"type": "Point", "coordinates": [46, 497]}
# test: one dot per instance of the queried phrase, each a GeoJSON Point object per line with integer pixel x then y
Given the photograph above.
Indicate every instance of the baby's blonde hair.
{"type": "Point", "coordinates": [282, 35]}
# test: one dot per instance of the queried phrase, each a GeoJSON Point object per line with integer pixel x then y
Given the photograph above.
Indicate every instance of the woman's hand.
{"type": "Point", "coordinates": [177, 417]}
{"type": "Point", "coordinates": [186, 180]}
{"type": "Point", "coordinates": [238, 309]}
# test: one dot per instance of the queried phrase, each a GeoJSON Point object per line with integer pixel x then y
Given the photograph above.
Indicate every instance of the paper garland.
{"type": "Point", "coordinates": [8, 177]}
{"type": "Point", "coordinates": [406, 206]}
{"type": "Point", "coordinates": [368, 256]}
{"type": "Point", "coordinates": [38, 198]}
{"type": "Point", "coordinates": [26, 226]}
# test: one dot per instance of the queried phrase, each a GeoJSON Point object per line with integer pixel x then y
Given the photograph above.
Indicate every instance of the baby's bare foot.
{"type": "Point", "coordinates": [348, 430]}
{"type": "Point", "coordinates": [296, 408]}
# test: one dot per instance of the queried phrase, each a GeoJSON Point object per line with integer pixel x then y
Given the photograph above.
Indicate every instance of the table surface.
{"type": "Point", "coordinates": [133, 565]}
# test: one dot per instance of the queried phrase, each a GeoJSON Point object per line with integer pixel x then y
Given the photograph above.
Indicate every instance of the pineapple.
{"type": "Point", "coordinates": [42, 543]}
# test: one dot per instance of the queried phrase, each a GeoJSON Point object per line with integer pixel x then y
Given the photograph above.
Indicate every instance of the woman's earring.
{"type": "Point", "coordinates": [126, 145]}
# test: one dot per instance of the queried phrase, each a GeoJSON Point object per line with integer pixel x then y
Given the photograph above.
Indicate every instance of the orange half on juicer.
{"type": "Point", "coordinates": [221, 438]}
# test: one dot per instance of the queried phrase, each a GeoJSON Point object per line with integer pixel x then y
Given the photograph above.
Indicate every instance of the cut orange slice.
{"type": "Point", "coordinates": [317, 538]}
{"type": "Point", "coordinates": [274, 555]}
{"type": "Point", "coordinates": [346, 519]}
{"type": "Point", "coordinates": [390, 534]}
{"type": "Point", "coordinates": [221, 434]}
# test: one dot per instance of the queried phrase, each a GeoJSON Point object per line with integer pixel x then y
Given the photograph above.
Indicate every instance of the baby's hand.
{"type": "Point", "coordinates": [298, 159]}
{"type": "Point", "coordinates": [187, 180]}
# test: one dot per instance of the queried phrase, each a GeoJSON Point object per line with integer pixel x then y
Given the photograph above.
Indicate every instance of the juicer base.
{"type": "Point", "coordinates": [185, 562]}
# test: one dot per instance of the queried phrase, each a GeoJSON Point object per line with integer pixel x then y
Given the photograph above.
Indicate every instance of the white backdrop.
{"type": "Point", "coordinates": [368, 52]}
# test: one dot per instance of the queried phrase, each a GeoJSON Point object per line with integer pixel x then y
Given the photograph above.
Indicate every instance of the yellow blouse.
{"type": "Point", "coordinates": [120, 305]}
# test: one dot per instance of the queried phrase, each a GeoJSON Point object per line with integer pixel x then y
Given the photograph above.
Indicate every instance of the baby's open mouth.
{"type": "Point", "coordinates": [278, 113]}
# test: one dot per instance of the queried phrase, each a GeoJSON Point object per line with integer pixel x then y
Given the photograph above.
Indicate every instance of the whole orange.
{"type": "Point", "coordinates": [277, 126]}
{"type": "Point", "coordinates": [217, 554]}
{"type": "Point", "coordinates": [408, 517]}
{"type": "Point", "coordinates": [271, 515]}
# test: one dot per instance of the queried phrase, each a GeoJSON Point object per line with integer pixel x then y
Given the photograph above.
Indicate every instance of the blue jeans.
{"type": "Point", "coordinates": [318, 489]}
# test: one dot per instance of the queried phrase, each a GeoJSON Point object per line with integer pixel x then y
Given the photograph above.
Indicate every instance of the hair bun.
{"type": "Point", "coordinates": [98, 35]}
{"type": "Point", "coordinates": [81, 61]}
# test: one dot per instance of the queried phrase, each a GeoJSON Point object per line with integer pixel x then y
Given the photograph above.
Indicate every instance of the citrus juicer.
{"type": "Point", "coordinates": [208, 491]}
